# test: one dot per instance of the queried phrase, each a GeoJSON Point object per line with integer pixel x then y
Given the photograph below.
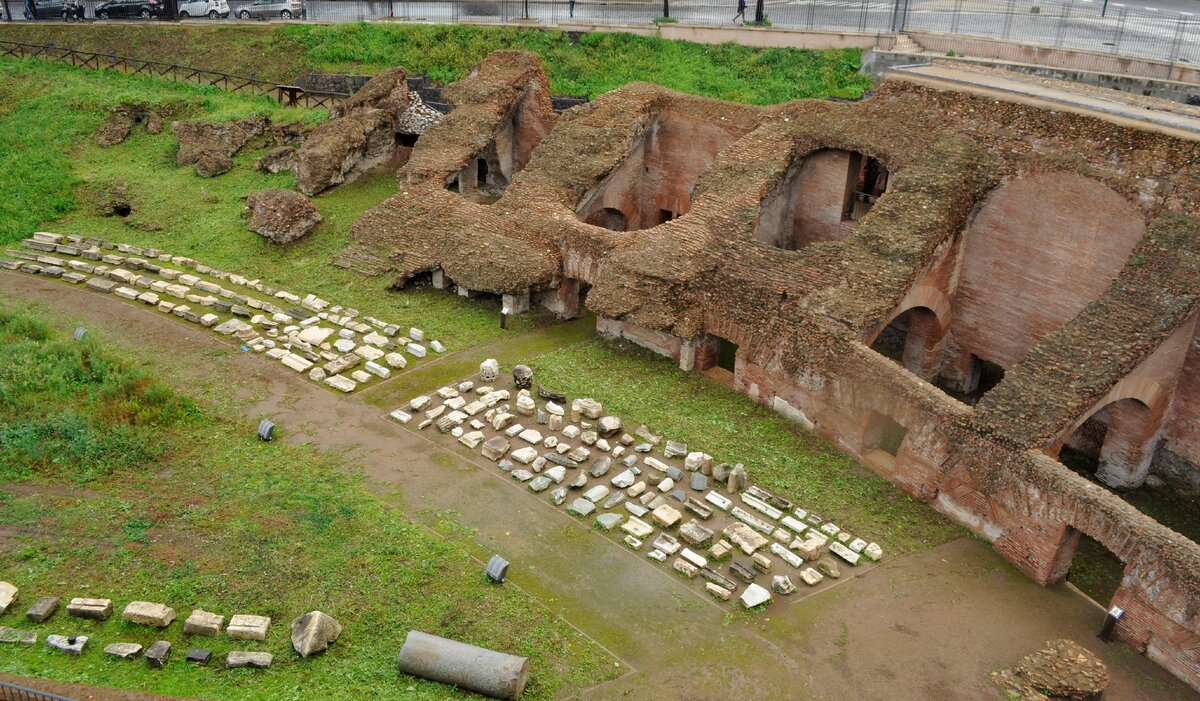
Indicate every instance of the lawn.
{"type": "Point", "coordinates": [588, 65]}
{"type": "Point", "coordinates": [115, 485]}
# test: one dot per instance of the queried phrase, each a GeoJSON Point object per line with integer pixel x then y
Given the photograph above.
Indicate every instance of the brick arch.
{"type": "Point", "coordinates": [922, 296]}
{"type": "Point", "coordinates": [1146, 391]}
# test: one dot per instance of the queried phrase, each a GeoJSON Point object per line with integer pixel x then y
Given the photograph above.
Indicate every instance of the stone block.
{"type": "Point", "coordinates": [93, 609]}
{"type": "Point", "coordinates": [695, 534]}
{"type": "Point", "coordinates": [238, 659]}
{"type": "Point", "coordinates": [638, 528]}
{"type": "Point", "coordinates": [202, 622]}
{"type": "Point", "coordinates": [8, 594]}
{"type": "Point", "coordinates": [667, 543]}
{"type": "Point", "coordinates": [146, 613]}
{"type": "Point", "coordinates": [42, 609]}
{"type": "Point", "coordinates": [581, 507]}
{"type": "Point", "coordinates": [786, 555]}
{"type": "Point", "coordinates": [755, 596]}
{"type": "Point", "coordinates": [342, 384]}
{"type": "Point", "coordinates": [810, 576]}
{"type": "Point", "coordinates": [158, 654]}
{"type": "Point", "coordinates": [72, 645]}
{"type": "Point", "coordinates": [16, 636]}
{"type": "Point", "coordinates": [843, 552]}
{"type": "Point", "coordinates": [666, 516]}
{"type": "Point", "coordinates": [199, 655]}
{"type": "Point", "coordinates": [247, 627]}
{"type": "Point", "coordinates": [694, 557]}
{"type": "Point", "coordinates": [596, 493]}
{"type": "Point", "coordinates": [744, 537]}
{"type": "Point", "coordinates": [718, 591]}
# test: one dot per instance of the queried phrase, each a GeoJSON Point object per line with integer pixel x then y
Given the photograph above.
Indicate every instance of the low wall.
{"type": "Point", "coordinates": [1030, 508]}
{"type": "Point", "coordinates": [758, 37]}
{"type": "Point", "coordinates": [877, 62]}
{"type": "Point", "coordinates": [1014, 52]}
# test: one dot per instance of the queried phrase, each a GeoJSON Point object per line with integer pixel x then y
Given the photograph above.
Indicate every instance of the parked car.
{"type": "Point", "coordinates": [286, 9]}
{"type": "Point", "coordinates": [203, 8]}
{"type": "Point", "coordinates": [49, 9]}
{"type": "Point", "coordinates": [115, 9]}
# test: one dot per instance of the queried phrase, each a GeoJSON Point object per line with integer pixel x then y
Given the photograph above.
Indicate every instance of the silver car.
{"type": "Point", "coordinates": [264, 9]}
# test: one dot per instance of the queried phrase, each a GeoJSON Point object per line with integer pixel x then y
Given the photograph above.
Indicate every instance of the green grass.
{"type": "Point", "coordinates": [210, 517]}
{"type": "Point", "coordinates": [596, 63]}
{"type": "Point", "coordinates": [60, 175]}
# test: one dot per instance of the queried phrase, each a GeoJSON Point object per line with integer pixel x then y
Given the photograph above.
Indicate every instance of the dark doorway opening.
{"type": "Point", "coordinates": [883, 434]}
{"type": "Point", "coordinates": [482, 177]}
{"type": "Point", "coordinates": [665, 215]}
{"type": "Point", "coordinates": [727, 355]}
{"type": "Point", "coordinates": [408, 140]}
{"type": "Point", "coordinates": [1095, 570]}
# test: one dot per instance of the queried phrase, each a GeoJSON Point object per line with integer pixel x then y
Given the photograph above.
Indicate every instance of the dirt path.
{"type": "Point", "coordinates": [929, 626]}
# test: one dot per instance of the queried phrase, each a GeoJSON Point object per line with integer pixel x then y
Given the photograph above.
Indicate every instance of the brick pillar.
{"type": "Point", "coordinates": [923, 344]}
{"type": "Point", "coordinates": [961, 370]}
{"type": "Point", "coordinates": [562, 301]}
{"type": "Point", "coordinates": [1041, 549]}
{"type": "Point", "coordinates": [1129, 444]}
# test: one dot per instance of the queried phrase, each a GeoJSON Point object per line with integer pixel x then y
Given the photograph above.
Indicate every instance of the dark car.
{"type": "Point", "coordinates": [115, 9]}
{"type": "Point", "coordinates": [49, 9]}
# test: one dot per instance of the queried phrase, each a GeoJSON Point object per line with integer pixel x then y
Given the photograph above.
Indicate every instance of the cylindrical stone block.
{"type": "Point", "coordinates": [483, 671]}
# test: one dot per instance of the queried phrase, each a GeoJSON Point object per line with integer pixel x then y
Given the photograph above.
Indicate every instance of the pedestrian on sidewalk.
{"type": "Point", "coordinates": [571, 8]}
{"type": "Point", "coordinates": [741, 13]}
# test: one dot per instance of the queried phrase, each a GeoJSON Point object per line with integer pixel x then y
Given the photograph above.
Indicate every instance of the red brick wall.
{"type": "Point", "coordinates": [1038, 251]}
{"type": "Point", "coordinates": [1181, 432]}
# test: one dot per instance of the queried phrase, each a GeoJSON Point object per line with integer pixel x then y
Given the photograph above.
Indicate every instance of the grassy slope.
{"type": "Point", "coordinates": [597, 63]}
{"type": "Point", "coordinates": [58, 172]}
{"type": "Point", "coordinates": [204, 515]}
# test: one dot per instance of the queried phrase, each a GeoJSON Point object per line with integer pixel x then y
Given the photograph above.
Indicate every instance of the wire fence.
{"type": "Point", "coordinates": [285, 94]}
{"type": "Point", "coordinates": [12, 692]}
{"type": "Point", "coordinates": [1089, 25]}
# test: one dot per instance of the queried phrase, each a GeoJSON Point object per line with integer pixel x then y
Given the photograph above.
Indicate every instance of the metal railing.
{"type": "Point", "coordinates": [1089, 25]}
{"type": "Point", "coordinates": [12, 692]}
{"type": "Point", "coordinates": [293, 95]}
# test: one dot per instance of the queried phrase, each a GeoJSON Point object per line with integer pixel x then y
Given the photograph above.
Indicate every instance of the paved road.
{"type": "Point", "coordinates": [1168, 30]}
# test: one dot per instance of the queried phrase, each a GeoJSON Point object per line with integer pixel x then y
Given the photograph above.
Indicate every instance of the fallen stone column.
{"type": "Point", "coordinates": [483, 671]}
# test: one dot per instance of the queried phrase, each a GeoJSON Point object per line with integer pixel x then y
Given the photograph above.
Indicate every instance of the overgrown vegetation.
{"type": "Point", "coordinates": [67, 411]}
{"type": "Point", "coordinates": [57, 177]}
{"type": "Point", "coordinates": [588, 65]}
{"type": "Point", "coordinates": [207, 516]}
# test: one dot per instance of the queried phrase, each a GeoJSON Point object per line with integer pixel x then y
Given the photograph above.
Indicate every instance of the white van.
{"type": "Point", "coordinates": [203, 8]}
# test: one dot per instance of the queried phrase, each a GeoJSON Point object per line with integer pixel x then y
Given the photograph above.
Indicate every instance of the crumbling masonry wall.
{"type": "Point", "coordinates": [1063, 247]}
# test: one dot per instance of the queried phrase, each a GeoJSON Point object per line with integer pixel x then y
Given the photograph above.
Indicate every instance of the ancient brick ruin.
{"type": "Point", "coordinates": [954, 288]}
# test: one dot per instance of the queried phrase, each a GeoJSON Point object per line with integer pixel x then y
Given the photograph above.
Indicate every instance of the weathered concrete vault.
{"type": "Point", "coordinates": [952, 287]}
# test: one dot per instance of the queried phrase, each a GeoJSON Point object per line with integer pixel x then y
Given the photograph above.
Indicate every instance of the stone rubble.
{"type": "Point", "coordinates": [639, 488]}
{"type": "Point", "coordinates": [300, 331]}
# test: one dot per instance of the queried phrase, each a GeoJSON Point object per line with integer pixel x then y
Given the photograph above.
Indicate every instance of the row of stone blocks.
{"type": "Point", "coordinates": [311, 633]}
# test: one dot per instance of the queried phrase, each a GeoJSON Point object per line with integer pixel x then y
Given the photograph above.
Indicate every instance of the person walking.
{"type": "Point", "coordinates": [29, 12]}
{"type": "Point", "coordinates": [741, 13]}
{"type": "Point", "coordinates": [571, 8]}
